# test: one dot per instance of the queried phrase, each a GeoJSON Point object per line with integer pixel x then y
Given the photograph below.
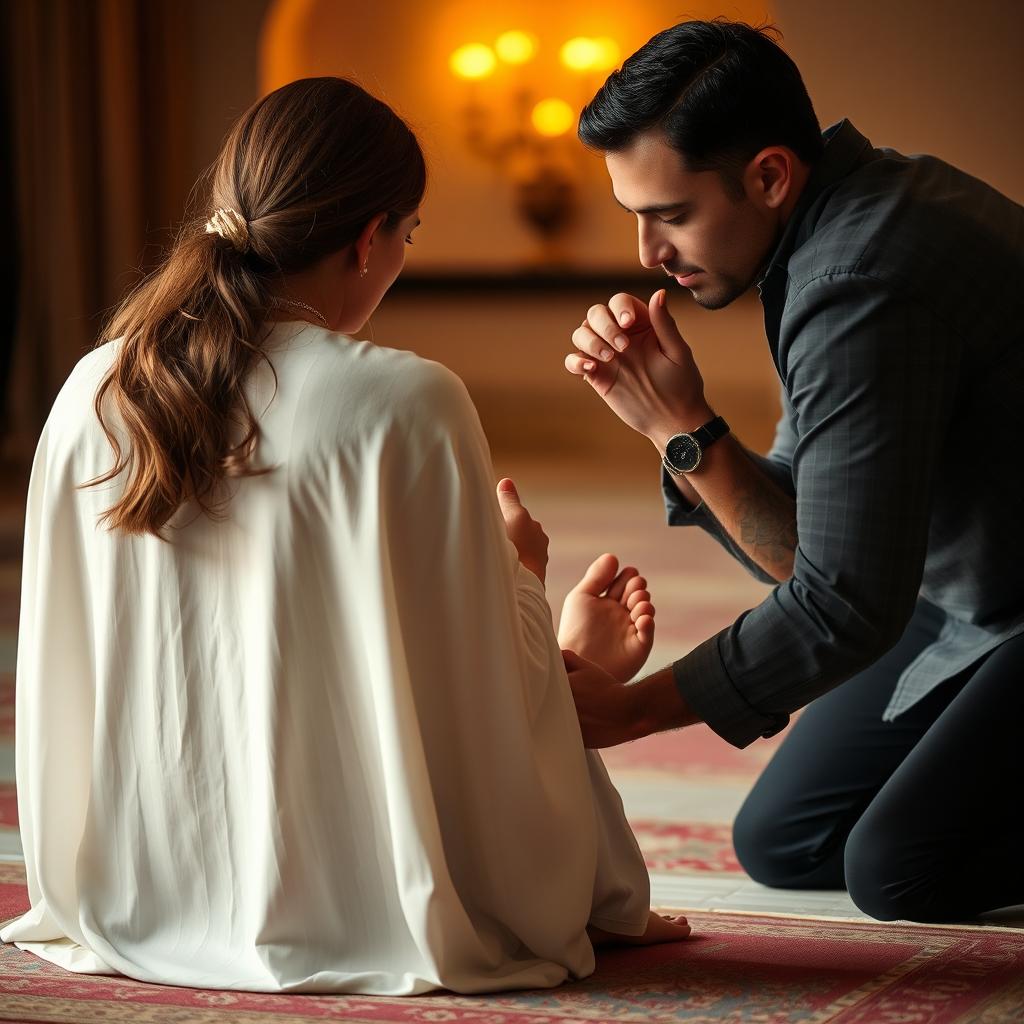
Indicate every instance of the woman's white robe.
{"type": "Point", "coordinates": [326, 744]}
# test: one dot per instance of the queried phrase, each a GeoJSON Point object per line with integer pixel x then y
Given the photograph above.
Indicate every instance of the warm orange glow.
{"type": "Point", "coordinates": [585, 54]}
{"type": "Point", "coordinates": [608, 54]}
{"type": "Point", "coordinates": [474, 60]}
{"type": "Point", "coordinates": [553, 117]}
{"type": "Point", "coordinates": [515, 47]}
{"type": "Point", "coordinates": [284, 50]}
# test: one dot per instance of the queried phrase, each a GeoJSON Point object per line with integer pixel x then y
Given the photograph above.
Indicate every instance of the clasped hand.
{"type": "Point", "coordinates": [633, 355]}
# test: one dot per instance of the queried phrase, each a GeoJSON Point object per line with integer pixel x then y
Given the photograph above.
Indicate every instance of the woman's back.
{"type": "Point", "coordinates": [325, 743]}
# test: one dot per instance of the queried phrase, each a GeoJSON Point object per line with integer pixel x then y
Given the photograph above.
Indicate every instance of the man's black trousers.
{"type": "Point", "coordinates": [920, 819]}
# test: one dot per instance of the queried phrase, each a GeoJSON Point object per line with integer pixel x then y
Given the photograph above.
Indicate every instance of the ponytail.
{"type": "Point", "coordinates": [300, 175]}
{"type": "Point", "coordinates": [177, 383]}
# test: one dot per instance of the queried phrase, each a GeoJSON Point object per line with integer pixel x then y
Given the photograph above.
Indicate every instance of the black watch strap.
{"type": "Point", "coordinates": [711, 431]}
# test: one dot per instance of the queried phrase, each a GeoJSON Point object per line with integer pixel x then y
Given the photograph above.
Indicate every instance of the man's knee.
{"type": "Point", "coordinates": [776, 850]}
{"type": "Point", "coordinates": [885, 881]}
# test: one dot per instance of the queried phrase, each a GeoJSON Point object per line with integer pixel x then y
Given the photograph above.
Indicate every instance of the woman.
{"type": "Point", "coordinates": [291, 714]}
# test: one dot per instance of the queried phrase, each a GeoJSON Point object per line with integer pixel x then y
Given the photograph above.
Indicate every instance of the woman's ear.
{"type": "Point", "coordinates": [364, 243]}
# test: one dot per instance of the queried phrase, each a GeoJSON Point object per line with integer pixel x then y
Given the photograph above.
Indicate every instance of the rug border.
{"type": "Point", "coordinates": [970, 928]}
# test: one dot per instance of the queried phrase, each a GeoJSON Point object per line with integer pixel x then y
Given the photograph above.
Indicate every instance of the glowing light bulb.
{"type": "Point", "coordinates": [580, 53]}
{"type": "Point", "coordinates": [553, 117]}
{"type": "Point", "coordinates": [607, 53]}
{"type": "Point", "coordinates": [474, 60]}
{"type": "Point", "coordinates": [515, 47]}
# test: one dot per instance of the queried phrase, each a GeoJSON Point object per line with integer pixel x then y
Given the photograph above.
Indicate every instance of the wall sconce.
{"type": "Point", "coordinates": [526, 137]}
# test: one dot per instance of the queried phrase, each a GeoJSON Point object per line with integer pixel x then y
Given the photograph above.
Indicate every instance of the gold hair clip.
{"type": "Point", "coordinates": [230, 225]}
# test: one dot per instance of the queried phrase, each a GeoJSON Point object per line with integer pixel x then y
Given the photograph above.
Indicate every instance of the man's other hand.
{"type": "Point", "coordinates": [608, 712]}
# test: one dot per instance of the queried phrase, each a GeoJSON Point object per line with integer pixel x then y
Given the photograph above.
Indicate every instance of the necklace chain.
{"type": "Point", "coordinates": [304, 305]}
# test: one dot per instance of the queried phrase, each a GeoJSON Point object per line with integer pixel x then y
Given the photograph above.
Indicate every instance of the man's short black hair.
{"type": "Point", "coordinates": [720, 90]}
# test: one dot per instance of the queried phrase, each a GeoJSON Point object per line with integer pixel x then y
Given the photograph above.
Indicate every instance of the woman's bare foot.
{"type": "Point", "coordinates": [667, 928]}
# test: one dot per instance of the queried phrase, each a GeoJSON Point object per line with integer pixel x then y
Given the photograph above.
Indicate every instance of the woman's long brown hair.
{"type": "Point", "coordinates": [307, 167]}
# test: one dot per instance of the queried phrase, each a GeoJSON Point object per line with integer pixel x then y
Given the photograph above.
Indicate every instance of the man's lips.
{"type": "Point", "coordinates": [682, 276]}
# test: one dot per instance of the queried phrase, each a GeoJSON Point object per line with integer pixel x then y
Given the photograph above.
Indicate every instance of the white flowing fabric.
{"type": "Point", "coordinates": [327, 744]}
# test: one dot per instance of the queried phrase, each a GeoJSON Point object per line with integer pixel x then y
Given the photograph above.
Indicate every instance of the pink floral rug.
{"type": "Point", "coordinates": [686, 848]}
{"type": "Point", "coordinates": [736, 969]}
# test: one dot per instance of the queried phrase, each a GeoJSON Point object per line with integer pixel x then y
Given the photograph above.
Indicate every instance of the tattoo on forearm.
{"type": "Point", "coordinates": [767, 522]}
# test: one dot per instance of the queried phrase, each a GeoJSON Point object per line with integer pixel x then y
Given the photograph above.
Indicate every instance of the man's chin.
{"type": "Point", "coordinates": [712, 297]}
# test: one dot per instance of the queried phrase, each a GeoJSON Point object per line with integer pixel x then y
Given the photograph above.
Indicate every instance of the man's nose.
{"type": "Point", "coordinates": [654, 250]}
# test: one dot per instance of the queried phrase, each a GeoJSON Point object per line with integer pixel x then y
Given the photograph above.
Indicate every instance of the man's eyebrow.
{"type": "Point", "coordinates": [655, 208]}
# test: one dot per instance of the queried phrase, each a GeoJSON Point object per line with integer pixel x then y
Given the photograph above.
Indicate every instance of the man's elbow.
{"type": "Point", "coordinates": [776, 570]}
{"type": "Point", "coordinates": [853, 633]}
{"type": "Point", "coordinates": [876, 634]}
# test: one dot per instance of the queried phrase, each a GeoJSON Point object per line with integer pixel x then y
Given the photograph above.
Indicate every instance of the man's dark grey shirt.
{"type": "Point", "coordinates": [894, 309]}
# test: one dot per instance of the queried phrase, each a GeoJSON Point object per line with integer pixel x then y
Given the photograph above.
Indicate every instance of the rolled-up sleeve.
{"type": "Point", "coordinates": [871, 380]}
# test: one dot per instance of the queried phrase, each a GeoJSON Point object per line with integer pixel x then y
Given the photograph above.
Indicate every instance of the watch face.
{"type": "Point", "coordinates": [683, 452]}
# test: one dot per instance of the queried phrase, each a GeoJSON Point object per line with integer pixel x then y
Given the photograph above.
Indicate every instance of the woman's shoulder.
{"type": "Point", "coordinates": [421, 380]}
{"type": "Point", "coordinates": [340, 387]}
{"type": "Point", "coordinates": [85, 376]}
{"type": "Point", "coordinates": [422, 391]}
{"type": "Point", "coordinates": [98, 360]}
{"type": "Point", "coordinates": [406, 384]}
{"type": "Point", "coordinates": [342, 355]}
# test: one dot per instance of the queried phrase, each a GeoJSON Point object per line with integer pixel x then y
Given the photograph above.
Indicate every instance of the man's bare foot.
{"type": "Point", "coordinates": [659, 929]}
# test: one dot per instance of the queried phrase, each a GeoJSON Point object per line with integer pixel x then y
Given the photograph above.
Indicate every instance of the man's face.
{"type": "Point", "coordinates": [713, 242]}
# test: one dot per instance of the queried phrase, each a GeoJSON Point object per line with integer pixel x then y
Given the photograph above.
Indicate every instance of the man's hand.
{"type": "Point", "coordinates": [523, 530]}
{"type": "Point", "coordinates": [608, 618]}
{"type": "Point", "coordinates": [611, 712]}
{"type": "Point", "coordinates": [637, 361]}
{"type": "Point", "coordinates": [608, 711]}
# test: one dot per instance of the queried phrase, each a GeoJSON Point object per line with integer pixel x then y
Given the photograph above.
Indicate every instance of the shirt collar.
{"type": "Point", "coordinates": [844, 150]}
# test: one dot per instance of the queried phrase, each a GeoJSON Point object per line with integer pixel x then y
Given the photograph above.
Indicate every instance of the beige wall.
{"type": "Point", "coordinates": [922, 76]}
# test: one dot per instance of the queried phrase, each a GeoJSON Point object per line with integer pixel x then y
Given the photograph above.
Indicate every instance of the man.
{"type": "Point", "coordinates": [889, 510]}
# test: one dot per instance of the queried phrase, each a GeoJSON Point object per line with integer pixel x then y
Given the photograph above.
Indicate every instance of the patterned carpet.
{"type": "Point", "coordinates": [736, 970]}
{"type": "Point", "coordinates": [681, 791]}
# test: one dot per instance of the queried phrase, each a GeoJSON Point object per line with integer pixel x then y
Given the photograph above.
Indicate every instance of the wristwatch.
{"type": "Point", "coordinates": [683, 451]}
